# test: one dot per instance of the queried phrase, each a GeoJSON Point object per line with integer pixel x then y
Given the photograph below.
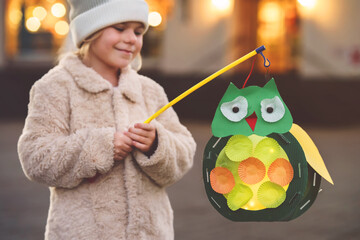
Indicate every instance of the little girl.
{"type": "Point", "coordinates": [107, 180]}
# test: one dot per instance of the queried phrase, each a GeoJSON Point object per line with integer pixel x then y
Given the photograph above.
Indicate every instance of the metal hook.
{"type": "Point", "coordinates": [265, 59]}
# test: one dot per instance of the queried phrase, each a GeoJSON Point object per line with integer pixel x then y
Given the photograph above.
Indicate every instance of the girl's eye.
{"type": "Point", "coordinates": [119, 29]}
{"type": "Point", "coordinates": [235, 110]}
{"type": "Point", "coordinates": [138, 33]}
{"type": "Point", "coordinates": [122, 29]}
{"type": "Point", "coordinates": [272, 110]}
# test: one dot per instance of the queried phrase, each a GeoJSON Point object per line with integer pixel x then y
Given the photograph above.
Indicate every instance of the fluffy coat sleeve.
{"type": "Point", "coordinates": [48, 152]}
{"type": "Point", "coordinates": [176, 146]}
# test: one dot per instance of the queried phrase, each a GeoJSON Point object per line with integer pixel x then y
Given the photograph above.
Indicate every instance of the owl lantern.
{"type": "Point", "coordinates": [259, 165]}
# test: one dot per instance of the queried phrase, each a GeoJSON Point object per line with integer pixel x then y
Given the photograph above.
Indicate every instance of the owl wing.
{"type": "Point", "coordinates": [312, 154]}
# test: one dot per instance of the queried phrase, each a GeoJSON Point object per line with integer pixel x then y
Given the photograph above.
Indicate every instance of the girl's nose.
{"type": "Point", "coordinates": [130, 36]}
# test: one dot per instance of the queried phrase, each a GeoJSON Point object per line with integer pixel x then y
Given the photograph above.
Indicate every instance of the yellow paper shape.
{"type": "Point", "coordinates": [271, 195]}
{"type": "Point", "coordinates": [312, 154]}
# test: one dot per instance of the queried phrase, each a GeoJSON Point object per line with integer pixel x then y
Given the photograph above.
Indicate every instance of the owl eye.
{"type": "Point", "coordinates": [235, 110]}
{"type": "Point", "coordinates": [272, 110]}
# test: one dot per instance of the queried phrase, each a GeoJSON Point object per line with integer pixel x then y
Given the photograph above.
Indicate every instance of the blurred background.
{"type": "Point", "coordinates": [314, 50]}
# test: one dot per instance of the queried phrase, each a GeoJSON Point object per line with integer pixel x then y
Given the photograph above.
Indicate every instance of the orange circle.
{"type": "Point", "coordinates": [281, 172]}
{"type": "Point", "coordinates": [221, 179]}
{"type": "Point", "coordinates": [251, 170]}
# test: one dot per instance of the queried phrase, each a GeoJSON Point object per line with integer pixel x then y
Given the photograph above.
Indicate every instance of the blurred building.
{"type": "Point", "coordinates": [33, 30]}
{"type": "Point", "coordinates": [313, 46]}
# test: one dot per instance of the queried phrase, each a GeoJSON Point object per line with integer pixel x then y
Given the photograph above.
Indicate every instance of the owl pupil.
{"type": "Point", "coordinates": [235, 109]}
{"type": "Point", "coordinates": [269, 109]}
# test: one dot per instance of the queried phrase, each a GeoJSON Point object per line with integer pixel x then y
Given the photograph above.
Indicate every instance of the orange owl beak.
{"type": "Point", "coordinates": [251, 120]}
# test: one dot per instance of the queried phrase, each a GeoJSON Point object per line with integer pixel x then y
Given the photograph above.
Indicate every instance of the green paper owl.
{"type": "Point", "coordinates": [259, 165]}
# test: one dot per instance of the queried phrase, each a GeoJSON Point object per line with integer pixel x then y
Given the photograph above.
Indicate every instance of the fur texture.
{"type": "Point", "coordinates": [68, 138]}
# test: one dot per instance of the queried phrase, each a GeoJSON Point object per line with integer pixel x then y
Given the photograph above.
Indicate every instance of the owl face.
{"type": "Point", "coordinates": [251, 110]}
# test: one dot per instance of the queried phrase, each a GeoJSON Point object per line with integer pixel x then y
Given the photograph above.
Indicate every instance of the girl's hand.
{"type": "Point", "coordinates": [122, 146]}
{"type": "Point", "coordinates": [143, 137]}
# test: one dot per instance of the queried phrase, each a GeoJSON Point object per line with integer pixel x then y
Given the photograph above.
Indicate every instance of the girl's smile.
{"type": "Point", "coordinates": [125, 51]}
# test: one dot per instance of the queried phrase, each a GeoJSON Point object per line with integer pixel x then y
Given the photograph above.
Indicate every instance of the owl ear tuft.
{"type": "Point", "coordinates": [231, 92]}
{"type": "Point", "coordinates": [271, 85]}
{"type": "Point", "coordinates": [232, 87]}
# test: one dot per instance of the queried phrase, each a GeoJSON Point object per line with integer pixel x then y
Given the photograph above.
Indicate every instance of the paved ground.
{"type": "Point", "coordinates": [334, 215]}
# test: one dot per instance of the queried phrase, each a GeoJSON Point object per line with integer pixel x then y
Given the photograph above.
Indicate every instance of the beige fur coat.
{"type": "Point", "coordinates": [68, 139]}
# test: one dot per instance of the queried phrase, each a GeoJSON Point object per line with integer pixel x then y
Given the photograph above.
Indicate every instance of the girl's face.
{"type": "Point", "coordinates": [118, 45]}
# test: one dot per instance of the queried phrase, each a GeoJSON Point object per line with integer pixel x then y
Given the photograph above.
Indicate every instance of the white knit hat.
{"type": "Point", "coordinates": [89, 16]}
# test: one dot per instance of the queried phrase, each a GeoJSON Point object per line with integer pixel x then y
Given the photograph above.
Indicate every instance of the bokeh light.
{"type": "Point", "coordinates": [221, 4]}
{"type": "Point", "coordinates": [270, 12]}
{"type": "Point", "coordinates": [155, 19]}
{"type": "Point", "coordinates": [33, 24]}
{"type": "Point", "coordinates": [58, 10]}
{"type": "Point", "coordinates": [62, 28]}
{"type": "Point", "coordinates": [40, 13]}
{"type": "Point", "coordinates": [15, 16]}
{"type": "Point", "coordinates": [307, 3]}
